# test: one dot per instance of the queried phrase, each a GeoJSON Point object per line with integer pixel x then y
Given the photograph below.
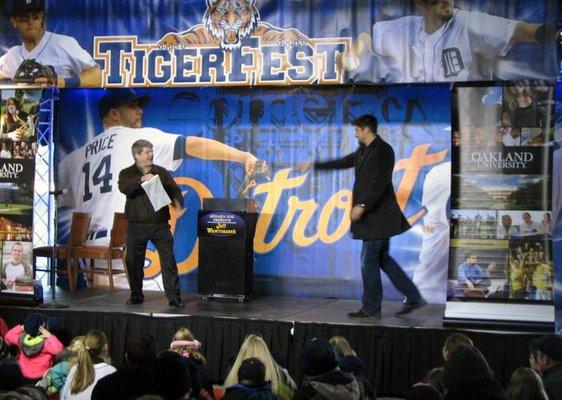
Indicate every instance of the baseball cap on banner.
{"type": "Point", "coordinates": [21, 7]}
{"type": "Point", "coordinates": [114, 98]}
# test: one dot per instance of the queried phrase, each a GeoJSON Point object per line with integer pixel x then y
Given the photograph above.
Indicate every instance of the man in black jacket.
{"type": "Point", "coordinates": [146, 223]}
{"type": "Point", "coordinates": [375, 217]}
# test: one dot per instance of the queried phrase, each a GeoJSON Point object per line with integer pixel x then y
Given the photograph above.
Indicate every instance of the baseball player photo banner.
{"type": "Point", "coordinates": [19, 111]}
{"type": "Point", "coordinates": [501, 218]}
{"type": "Point", "coordinates": [302, 235]}
{"type": "Point", "coordinates": [93, 43]}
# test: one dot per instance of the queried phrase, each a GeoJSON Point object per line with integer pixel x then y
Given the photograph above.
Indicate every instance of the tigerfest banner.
{"type": "Point", "coordinates": [302, 242]}
{"type": "Point", "coordinates": [105, 43]}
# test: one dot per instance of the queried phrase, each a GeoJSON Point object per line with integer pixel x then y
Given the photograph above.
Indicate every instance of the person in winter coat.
{"type": "Point", "coordinates": [36, 344]}
{"type": "Point", "coordinates": [252, 383]}
{"type": "Point", "coordinates": [323, 379]}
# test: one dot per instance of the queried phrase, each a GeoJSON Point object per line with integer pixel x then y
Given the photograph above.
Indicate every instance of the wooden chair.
{"type": "Point", "coordinates": [115, 250]}
{"type": "Point", "coordinates": [79, 229]}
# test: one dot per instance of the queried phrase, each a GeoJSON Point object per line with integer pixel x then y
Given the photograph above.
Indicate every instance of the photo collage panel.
{"type": "Point", "coordinates": [501, 218]}
{"type": "Point", "coordinates": [19, 110]}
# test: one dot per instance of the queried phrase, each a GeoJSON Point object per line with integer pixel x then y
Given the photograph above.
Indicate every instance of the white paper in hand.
{"type": "Point", "coordinates": [156, 193]}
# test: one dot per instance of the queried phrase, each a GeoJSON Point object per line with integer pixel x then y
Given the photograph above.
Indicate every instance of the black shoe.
{"type": "Point", "coordinates": [362, 314]}
{"type": "Point", "coordinates": [408, 308]}
{"type": "Point", "coordinates": [135, 300]}
{"type": "Point", "coordinates": [176, 303]}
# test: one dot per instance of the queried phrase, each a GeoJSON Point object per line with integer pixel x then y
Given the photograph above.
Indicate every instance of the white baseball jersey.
{"type": "Point", "coordinates": [431, 274]}
{"type": "Point", "coordinates": [61, 52]}
{"type": "Point", "coordinates": [465, 48]}
{"type": "Point", "coordinates": [91, 172]}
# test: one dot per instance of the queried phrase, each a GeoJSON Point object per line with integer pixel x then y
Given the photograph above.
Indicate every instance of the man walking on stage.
{"type": "Point", "coordinates": [146, 223]}
{"type": "Point", "coordinates": [375, 217]}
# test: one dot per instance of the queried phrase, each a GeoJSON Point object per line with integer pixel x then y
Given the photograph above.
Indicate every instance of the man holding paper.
{"type": "Point", "coordinates": [149, 189]}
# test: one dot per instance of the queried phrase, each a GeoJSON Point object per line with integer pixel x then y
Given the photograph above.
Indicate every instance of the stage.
{"type": "Point", "coordinates": [397, 351]}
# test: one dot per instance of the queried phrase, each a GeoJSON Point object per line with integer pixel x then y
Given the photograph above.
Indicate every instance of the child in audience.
{"type": "Point", "coordinates": [322, 377]}
{"type": "Point", "coordinates": [187, 346]}
{"type": "Point", "coordinates": [282, 385]}
{"type": "Point", "coordinates": [526, 384]}
{"type": "Point", "coordinates": [36, 345]}
{"type": "Point", "coordinates": [342, 346]}
{"type": "Point", "coordinates": [453, 340]}
{"type": "Point", "coordinates": [55, 378]}
{"type": "Point", "coordinates": [89, 368]}
{"type": "Point", "coordinates": [252, 383]}
{"type": "Point", "coordinates": [467, 376]}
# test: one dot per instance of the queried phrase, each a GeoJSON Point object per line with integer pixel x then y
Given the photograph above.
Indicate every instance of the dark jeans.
{"type": "Point", "coordinates": [138, 235]}
{"type": "Point", "coordinates": [374, 257]}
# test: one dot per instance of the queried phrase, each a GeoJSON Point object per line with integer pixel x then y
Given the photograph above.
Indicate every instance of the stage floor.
{"type": "Point", "coordinates": [286, 309]}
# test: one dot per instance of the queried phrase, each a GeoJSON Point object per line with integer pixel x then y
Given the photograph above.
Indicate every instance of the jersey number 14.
{"type": "Point", "coordinates": [102, 175]}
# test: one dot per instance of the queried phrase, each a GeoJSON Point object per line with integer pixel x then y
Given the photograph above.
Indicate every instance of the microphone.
{"type": "Point", "coordinates": [58, 192]}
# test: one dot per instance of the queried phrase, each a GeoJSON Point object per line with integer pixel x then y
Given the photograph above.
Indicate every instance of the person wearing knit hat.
{"type": "Point", "coordinates": [468, 376]}
{"type": "Point", "coordinates": [322, 375]}
{"type": "Point", "coordinates": [252, 383]}
{"type": "Point", "coordinates": [38, 347]}
{"type": "Point", "coordinates": [548, 361]}
{"type": "Point", "coordinates": [33, 322]}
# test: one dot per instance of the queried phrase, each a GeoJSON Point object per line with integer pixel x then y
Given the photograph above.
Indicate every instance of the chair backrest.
{"type": "Point", "coordinates": [118, 231]}
{"type": "Point", "coordinates": [79, 228]}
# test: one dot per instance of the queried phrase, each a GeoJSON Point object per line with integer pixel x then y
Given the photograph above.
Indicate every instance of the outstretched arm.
{"type": "Point", "coordinates": [542, 33]}
{"type": "Point", "coordinates": [209, 149]}
{"type": "Point", "coordinates": [525, 32]}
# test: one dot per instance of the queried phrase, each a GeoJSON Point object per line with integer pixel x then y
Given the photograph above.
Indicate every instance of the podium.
{"type": "Point", "coordinates": [225, 228]}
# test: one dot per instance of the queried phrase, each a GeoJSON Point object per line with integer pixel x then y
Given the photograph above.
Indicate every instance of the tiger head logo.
{"type": "Point", "coordinates": [230, 21]}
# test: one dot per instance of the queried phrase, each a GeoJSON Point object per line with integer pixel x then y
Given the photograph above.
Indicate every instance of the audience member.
{"type": "Point", "coordinates": [89, 369]}
{"type": "Point", "coordinates": [11, 377]}
{"type": "Point", "coordinates": [549, 362]}
{"type": "Point", "coordinates": [526, 384]}
{"type": "Point", "coordinates": [54, 380]}
{"type": "Point", "coordinates": [467, 376]}
{"type": "Point", "coordinates": [187, 346]}
{"type": "Point", "coordinates": [354, 366]}
{"type": "Point", "coordinates": [453, 341]}
{"type": "Point", "coordinates": [342, 346]}
{"type": "Point", "coordinates": [424, 392]}
{"type": "Point", "coordinates": [322, 377]}
{"type": "Point", "coordinates": [252, 383]}
{"type": "Point", "coordinates": [36, 345]}
{"type": "Point", "coordinates": [282, 385]}
{"type": "Point", "coordinates": [134, 378]}
{"type": "Point", "coordinates": [171, 376]}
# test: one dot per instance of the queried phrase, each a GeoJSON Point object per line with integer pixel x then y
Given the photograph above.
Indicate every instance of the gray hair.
{"type": "Point", "coordinates": [139, 145]}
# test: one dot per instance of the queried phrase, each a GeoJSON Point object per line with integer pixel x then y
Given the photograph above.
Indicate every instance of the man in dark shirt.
{"type": "Point", "coordinates": [375, 217]}
{"type": "Point", "coordinates": [146, 223]}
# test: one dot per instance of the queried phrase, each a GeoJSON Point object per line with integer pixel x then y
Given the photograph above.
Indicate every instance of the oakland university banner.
{"type": "Point", "coordinates": [302, 243]}
{"type": "Point", "coordinates": [19, 111]}
{"type": "Point", "coordinates": [502, 217]}
{"type": "Point", "coordinates": [93, 43]}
